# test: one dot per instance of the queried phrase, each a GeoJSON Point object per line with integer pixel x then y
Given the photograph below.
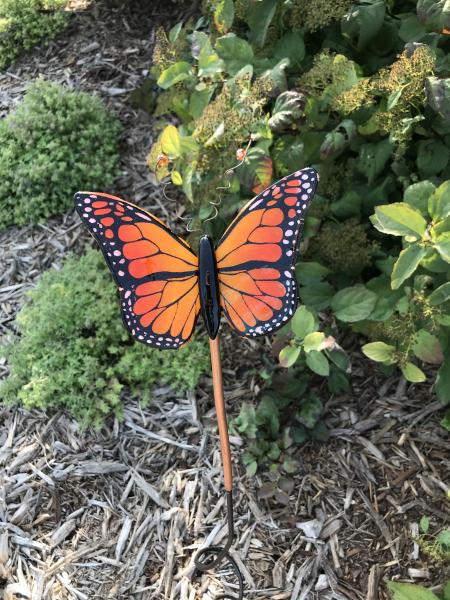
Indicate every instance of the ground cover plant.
{"type": "Point", "coordinates": [25, 23]}
{"type": "Point", "coordinates": [74, 352]}
{"type": "Point", "coordinates": [361, 92]}
{"type": "Point", "coordinates": [56, 142]}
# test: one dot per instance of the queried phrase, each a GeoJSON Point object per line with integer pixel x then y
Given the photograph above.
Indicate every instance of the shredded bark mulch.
{"type": "Point", "coordinates": [120, 513]}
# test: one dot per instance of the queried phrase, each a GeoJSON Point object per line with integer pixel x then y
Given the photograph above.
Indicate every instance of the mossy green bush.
{"type": "Point", "coordinates": [25, 23]}
{"type": "Point", "coordinates": [57, 142]}
{"type": "Point", "coordinates": [73, 351]}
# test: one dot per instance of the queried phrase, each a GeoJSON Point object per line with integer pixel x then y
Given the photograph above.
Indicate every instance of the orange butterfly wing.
{"type": "Point", "coordinates": [257, 254]}
{"type": "Point", "coordinates": [156, 271]}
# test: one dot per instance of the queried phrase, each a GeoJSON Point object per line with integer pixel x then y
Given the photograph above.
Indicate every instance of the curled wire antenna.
{"type": "Point", "coordinates": [227, 174]}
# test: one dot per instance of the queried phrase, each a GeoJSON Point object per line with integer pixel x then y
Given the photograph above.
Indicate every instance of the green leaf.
{"type": "Point", "coordinates": [303, 322]}
{"type": "Point", "coordinates": [290, 46]}
{"type": "Point", "coordinates": [410, 591]}
{"type": "Point", "coordinates": [289, 355]}
{"type": "Point", "coordinates": [224, 15]}
{"type": "Point", "coordinates": [259, 17]}
{"type": "Point", "coordinates": [209, 63]}
{"type": "Point", "coordinates": [444, 538]}
{"type": "Point", "coordinates": [408, 261]}
{"type": "Point", "coordinates": [235, 52]}
{"type": "Point", "coordinates": [442, 245]}
{"type": "Point", "coordinates": [410, 29]}
{"type": "Point", "coordinates": [170, 141]}
{"type": "Point", "coordinates": [393, 99]}
{"type": "Point", "coordinates": [427, 347]}
{"type": "Point", "coordinates": [353, 303]}
{"type": "Point", "coordinates": [309, 412]}
{"type": "Point", "coordinates": [288, 109]}
{"type": "Point", "coordinates": [446, 590]}
{"type": "Point", "coordinates": [176, 178]}
{"type": "Point", "coordinates": [318, 363]}
{"type": "Point", "coordinates": [199, 100]}
{"type": "Point", "coordinates": [399, 218]}
{"type": "Point", "coordinates": [432, 156]}
{"type": "Point", "coordinates": [310, 272]}
{"type": "Point", "coordinates": [277, 75]}
{"type": "Point", "coordinates": [380, 352]}
{"type": "Point", "coordinates": [417, 194]}
{"type": "Point", "coordinates": [439, 202]}
{"type": "Point", "coordinates": [317, 295]}
{"type": "Point", "coordinates": [424, 524]}
{"type": "Point", "coordinates": [434, 14]}
{"type": "Point", "coordinates": [175, 32]}
{"type": "Point", "coordinates": [313, 341]}
{"type": "Point", "coordinates": [440, 294]}
{"type": "Point", "coordinates": [438, 95]}
{"type": "Point", "coordinates": [413, 373]}
{"type": "Point", "coordinates": [373, 158]}
{"type": "Point", "coordinates": [363, 21]}
{"type": "Point", "coordinates": [174, 74]}
{"type": "Point", "coordinates": [442, 384]}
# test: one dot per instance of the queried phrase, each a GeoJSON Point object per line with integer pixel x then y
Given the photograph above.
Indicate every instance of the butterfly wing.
{"type": "Point", "coordinates": [256, 256]}
{"type": "Point", "coordinates": [156, 271]}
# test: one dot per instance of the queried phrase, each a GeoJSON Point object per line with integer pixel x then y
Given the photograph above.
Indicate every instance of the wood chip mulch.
{"type": "Point", "coordinates": [119, 513]}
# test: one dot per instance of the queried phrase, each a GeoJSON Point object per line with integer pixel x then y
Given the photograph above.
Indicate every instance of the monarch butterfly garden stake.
{"type": "Point", "coordinates": [248, 277]}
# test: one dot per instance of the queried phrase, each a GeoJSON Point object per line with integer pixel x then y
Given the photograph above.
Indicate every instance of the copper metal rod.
{"type": "Point", "coordinates": [219, 401]}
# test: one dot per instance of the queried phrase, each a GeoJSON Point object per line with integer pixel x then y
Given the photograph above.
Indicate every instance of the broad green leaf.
{"type": "Point", "coordinates": [170, 141]}
{"type": "Point", "coordinates": [235, 52]}
{"type": "Point", "coordinates": [288, 110]}
{"type": "Point", "coordinates": [427, 347]}
{"type": "Point", "coordinates": [277, 75]}
{"type": "Point", "coordinates": [432, 156]}
{"type": "Point", "coordinates": [380, 352]}
{"type": "Point", "coordinates": [348, 205]}
{"type": "Point", "coordinates": [310, 272]}
{"type": "Point", "coordinates": [408, 261]}
{"type": "Point", "coordinates": [439, 202]}
{"type": "Point", "coordinates": [289, 355]}
{"type": "Point", "coordinates": [290, 46]}
{"type": "Point", "coordinates": [174, 74]}
{"type": "Point", "coordinates": [373, 158]}
{"type": "Point", "coordinates": [413, 373]}
{"type": "Point", "coordinates": [434, 14]}
{"type": "Point", "coordinates": [440, 294]}
{"type": "Point", "coordinates": [317, 295]}
{"type": "Point", "coordinates": [399, 218]}
{"type": "Point", "coordinates": [199, 100]}
{"type": "Point", "coordinates": [442, 383]}
{"type": "Point", "coordinates": [303, 322]}
{"type": "Point", "coordinates": [417, 195]}
{"type": "Point", "coordinates": [410, 591]}
{"type": "Point", "coordinates": [224, 15]}
{"type": "Point", "coordinates": [259, 17]}
{"type": "Point", "coordinates": [176, 178]}
{"type": "Point", "coordinates": [313, 341]}
{"type": "Point", "coordinates": [188, 169]}
{"type": "Point", "coordinates": [209, 63]}
{"type": "Point", "coordinates": [442, 245]}
{"type": "Point", "coordinates": [438, 95]}
{"type": "Point", "coordinates": [446, 590]}
{"type": "Point", "coordinates": [363, 21]}
{"type": "Point", "coordinates": [318, 363]}
{"type": "Point", "coordinates": [393, 99]}
{"type": "Point", "coordinates": [353, 303]}
{"type": "Point", "coordinates": [410, 29]}
{"type": "Point", "coordinates": [188, 145]}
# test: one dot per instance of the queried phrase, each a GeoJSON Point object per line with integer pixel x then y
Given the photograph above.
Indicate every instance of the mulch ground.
{"type": "Point", "coordinates": [120, 513]}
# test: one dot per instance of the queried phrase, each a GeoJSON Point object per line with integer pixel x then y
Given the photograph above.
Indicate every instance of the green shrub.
{"type": "Point", "coordinates": [360, 91]}
{"type": "Point", "coordinates": [74, 352]}
{"type": "Point", "coordinates": [55, 143]}
{"type": "Point", "coordinates": [24, 23]}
